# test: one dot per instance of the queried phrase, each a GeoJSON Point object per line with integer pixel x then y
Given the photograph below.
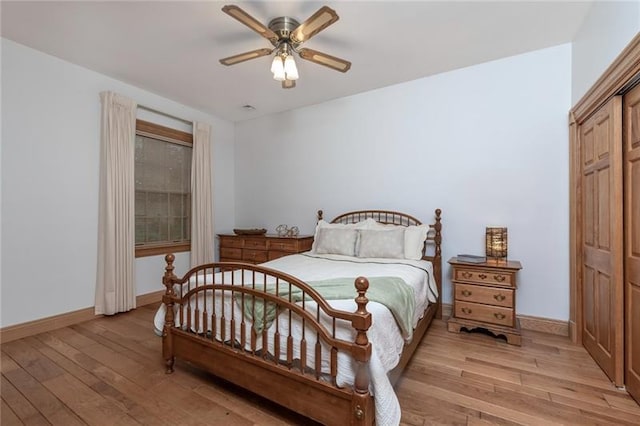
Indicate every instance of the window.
{"type": "Point", "coordinates": [163, 189]}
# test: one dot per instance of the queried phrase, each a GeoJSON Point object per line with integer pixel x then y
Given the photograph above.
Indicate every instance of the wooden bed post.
{"type": "Point", "coordinates": [362, 406]}
{"type": "Point", "coordinates": [319, 215]}
{"type": "Point", "coordinates": [168, 299]}
{"type": "Point", "coordinates": [438, 260]}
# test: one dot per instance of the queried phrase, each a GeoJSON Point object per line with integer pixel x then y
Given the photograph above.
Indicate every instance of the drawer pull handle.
{"type": "Point", "coordinates": [466, 274]}
{"type": "Point", "coordinates": [482, 276]}
{"type": "Point", "coordinates": [499, 297]}
{"type": "Point", "coordinates": [466, 293]}
{"type": "Point", "coordinates": [466, 311]}
{"type": "Point", "coordinates": [498, 278]}
{"type": "Point", "coordinates": [499, 316]}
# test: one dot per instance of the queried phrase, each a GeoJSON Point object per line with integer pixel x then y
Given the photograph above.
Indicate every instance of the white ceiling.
{"type": "Point", "coordinates": [172, 48]}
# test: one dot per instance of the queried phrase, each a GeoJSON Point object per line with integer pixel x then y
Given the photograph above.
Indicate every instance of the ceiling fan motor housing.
{"type": "Point", "coordinates": [283, 26]}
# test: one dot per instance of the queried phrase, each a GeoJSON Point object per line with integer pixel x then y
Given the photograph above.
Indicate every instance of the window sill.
{"type": "Point", "coordinates": [145, 251]}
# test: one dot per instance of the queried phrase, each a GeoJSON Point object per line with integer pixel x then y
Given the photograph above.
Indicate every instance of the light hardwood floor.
{"type": "Point", "coordinates": [108, 371]}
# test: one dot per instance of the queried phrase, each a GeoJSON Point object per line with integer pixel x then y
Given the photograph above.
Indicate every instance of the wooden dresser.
{"type": "Point", "coordinates": [485, 297]}
{"type": "Point", "coordinates": [260, 248]}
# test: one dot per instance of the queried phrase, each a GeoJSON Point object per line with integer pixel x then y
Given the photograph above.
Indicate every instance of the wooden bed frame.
{"type": "Point", "coordinates": [285, 380]}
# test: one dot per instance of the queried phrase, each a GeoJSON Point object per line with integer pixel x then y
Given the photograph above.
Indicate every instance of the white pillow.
{"type": "Point", "coordinates": [336, 241]}
{"type": "Point", "coordinates": [414, 238]}
{"type": "Point", "coordinates": [384, 243]}
{"type": "Point", "coordinates": [323, 224]}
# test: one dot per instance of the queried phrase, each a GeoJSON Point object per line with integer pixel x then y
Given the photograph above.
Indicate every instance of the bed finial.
{"type": "Point", "coordinates": [362, 285]}
{"type": "Point", "coordinates": [320, 214]}
{"type": "Point", "coordinates": [169, 322]}
{"type": "Point", "coordinates": [438, 237]}
{"type": "Point", "coordinates": [361, 400]}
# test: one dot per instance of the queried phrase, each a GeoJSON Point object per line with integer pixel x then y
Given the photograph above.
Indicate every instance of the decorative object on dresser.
{"type": "Point", "coordinates": [260, 248]}
{"type": "Point", "coordinates": [285, 231]}
{"type": "Point", "coordinates": [252, 231]}
{"type": "Point", "coordinates": [485, 297]}
{"type": "Point", "coordinates": [496, 243]}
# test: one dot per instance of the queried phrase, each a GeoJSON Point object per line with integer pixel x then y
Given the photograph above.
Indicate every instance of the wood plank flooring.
{"type": "Point", "coordinates": [108, 371]}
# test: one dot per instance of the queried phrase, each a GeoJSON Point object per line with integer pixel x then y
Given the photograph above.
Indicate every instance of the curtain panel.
{"type": "Point", "coordinates": [115, 284]}
{"type": "Point", "coordinates": [201, 196]}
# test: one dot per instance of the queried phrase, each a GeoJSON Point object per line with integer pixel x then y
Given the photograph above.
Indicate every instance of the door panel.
{"type": "Point", "coordinates": [589, 224]}
{"type": "Point", "coordinates": [604, 209]}
{"type": "Point", "coordinates": [631, 143]}
{"type": "Point", "coordinates": [604, 311]}
{"type": "Point", "coordinates": [602, 247]}
{"type": "Point", "coordinates": [589, 300]}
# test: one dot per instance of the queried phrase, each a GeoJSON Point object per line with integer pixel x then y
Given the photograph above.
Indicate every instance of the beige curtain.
{"type": "Point", "coordinates": [201, 196]}
{"type": "Point", "coordinates": [115, 285]}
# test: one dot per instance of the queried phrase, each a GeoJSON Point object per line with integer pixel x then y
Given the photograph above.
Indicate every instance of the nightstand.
{"type": "Point", "coordinates": [485, 297]}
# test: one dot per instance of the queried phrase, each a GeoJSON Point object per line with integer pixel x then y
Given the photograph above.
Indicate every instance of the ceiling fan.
{"type": "Point", "coordinates": [286, 35]}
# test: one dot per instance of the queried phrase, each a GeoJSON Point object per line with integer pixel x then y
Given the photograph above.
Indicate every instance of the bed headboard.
{"type": "Point", "coordinates": [434, 237]}
{"type": "Point", "coordinates": [396, 218]}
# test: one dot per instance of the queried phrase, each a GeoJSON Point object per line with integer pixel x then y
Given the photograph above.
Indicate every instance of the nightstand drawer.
{"type": "Point", "coordinates": [486, 295]}
{"type": "Point", "coordinates": [254, 256]}
{"type": "Point", "coordinates": [231, 253]}
{"type": "Point", "coordinates": [255, 243]}
{"type": "Point", "coordinates": [283, 245]}
{"type": "Point", "coordinates": [489, 277]}
{"type": "Point", "coordinates": [485, 313]}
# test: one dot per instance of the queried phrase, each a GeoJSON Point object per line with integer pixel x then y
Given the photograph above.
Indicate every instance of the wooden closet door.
{"type": "Point", "coordinates": [602, 248]}
{"type": "Point", "coordinates": [631, 157]}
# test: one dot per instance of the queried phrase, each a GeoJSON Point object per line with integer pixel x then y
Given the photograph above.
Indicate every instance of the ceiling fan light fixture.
{"type": "Point", "coordinates": [277, 68]}
{"type": "Point", "coordinates": [290, 68]}
{"type": "Point", "coordinates": [286, 35]}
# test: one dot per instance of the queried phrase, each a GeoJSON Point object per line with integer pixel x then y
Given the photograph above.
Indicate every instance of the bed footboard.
{"type": "Point", "coordinates": [237, 321]}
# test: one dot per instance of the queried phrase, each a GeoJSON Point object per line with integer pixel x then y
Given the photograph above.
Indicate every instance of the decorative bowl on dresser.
{"type": "Point", "coordinates": [485, 297]}
{"type": "Point", "coordinates": [260, 248]}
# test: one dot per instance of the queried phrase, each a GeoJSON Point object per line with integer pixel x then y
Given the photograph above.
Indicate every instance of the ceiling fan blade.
{"type": "Point", "coordinates": [235, 59]}
{"type": "Point", "coordinates": [324, 59]}
{"type": "Point", "coordinates": [317, 22]}
{"type": "Point", "coordinates": [250, 21]}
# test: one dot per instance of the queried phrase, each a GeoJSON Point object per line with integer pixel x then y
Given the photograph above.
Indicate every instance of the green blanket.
{"type": "Point", "coordinates": [392, 292]}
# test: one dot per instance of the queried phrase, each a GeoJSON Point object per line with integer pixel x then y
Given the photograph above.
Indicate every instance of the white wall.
{"type": "Point", "coordinates": [50, 160]}
{"type": "Point", "coordinates": [607, 29]}
{"type": "Point", "coordinates": [486, 144]}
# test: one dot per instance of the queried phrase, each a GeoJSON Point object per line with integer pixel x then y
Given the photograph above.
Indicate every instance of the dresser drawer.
{"type": "Point", "coordinates": [230, 253]}
{"type": "Point", "coordinates": [284, 245]}
{"type": "Point", "coordinates": [255, 243]}
{"type": "Point", "coordinates": [505, 279]}
{"type": "Point", "coordinates": [254, 256]}
{"type": "Point", "coordinates": [486, 295]}
{"type": "Point", "coordinates": [231, 242]}
{"type": "Point", "coordinates": [277, 254]}
{"type": "Point", "coordinates": [485, 313]}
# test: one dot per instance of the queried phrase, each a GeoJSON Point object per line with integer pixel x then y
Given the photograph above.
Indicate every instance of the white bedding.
{"type": "Point", "coordinates": [385, 335]}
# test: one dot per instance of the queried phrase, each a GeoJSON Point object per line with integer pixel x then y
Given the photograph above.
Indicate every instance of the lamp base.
{"type": "Point", "coordinates": [497, 260]}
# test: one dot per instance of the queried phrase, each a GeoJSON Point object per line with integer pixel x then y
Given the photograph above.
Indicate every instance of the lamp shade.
{"type": "Point", "coordinates": [290, 68]}
{"type": "Point", "coordinates": [496, 242]}
{"type": "Point", "coordinates": [277, 68]}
